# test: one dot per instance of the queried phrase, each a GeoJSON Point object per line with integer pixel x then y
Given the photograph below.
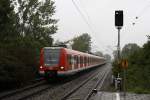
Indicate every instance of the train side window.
{"type": "Point", "coordinates": [81, 60]}
{"type": "Point", "coordinates": [72, 59]}
{"type": "Point", "coordinates": [69, 59]}
{"type": "Point", "coordinates": [77, 59]}
{"type": "Point", "coordinates": [85, 60]}
{"type": "Point", "coordinates": [88, 61]}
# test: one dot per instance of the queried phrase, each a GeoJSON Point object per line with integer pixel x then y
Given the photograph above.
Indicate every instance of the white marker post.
{"type": "Point", "coordinates": [117, 96]}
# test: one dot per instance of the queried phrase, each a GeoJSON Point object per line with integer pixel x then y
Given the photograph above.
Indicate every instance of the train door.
{"type": "Point", "coordinates": [78, 61]}
{"type": "Point", "coordinates": [90, 61]}
{"type": "Point", "coordinates": [69, 62]}
{"type": "Point", "coordinates": [75, 61]}
{"type": "Point", "coordinates": [72, 62]}
{"type": "Point", "coordinates": [85, 61]}
{"type": "Point", "coordinates": [81, 61]}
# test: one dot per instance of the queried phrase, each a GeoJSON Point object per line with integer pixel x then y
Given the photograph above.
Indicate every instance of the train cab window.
{"type": "Point", "coordinates": [51, 57]}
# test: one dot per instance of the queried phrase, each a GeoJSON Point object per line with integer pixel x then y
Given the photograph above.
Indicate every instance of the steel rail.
{"type": "Point", "coordinates": [8, 94]}
{"type": "Point", "coordinates": [34, 93]}
{"type": "Point", "coordinates": [99, 83]}
{"type": "Point", "coordinates": [77, 87]}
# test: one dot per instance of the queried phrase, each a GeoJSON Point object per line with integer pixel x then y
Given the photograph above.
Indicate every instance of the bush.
{"type": "Point", "coordinates": [17, 66]}
{"type": "Point", "coordinates": [138, 72]}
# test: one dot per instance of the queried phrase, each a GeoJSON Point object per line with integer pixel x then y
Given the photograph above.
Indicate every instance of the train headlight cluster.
{"type": "Point", "coordinates": [61, 67]}
{"type": "Point", "coordinates": [41, 67]}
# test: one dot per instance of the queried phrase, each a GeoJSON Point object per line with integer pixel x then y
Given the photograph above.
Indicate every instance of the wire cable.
{"type": "Point", "coordinates": [82, 15]}
{"type": "Point", "coordinates": [88, 22]}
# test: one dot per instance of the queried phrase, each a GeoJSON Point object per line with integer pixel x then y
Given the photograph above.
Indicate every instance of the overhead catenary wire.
{"type": "Point", "coordinates": [82, 15]}
{"type": "Point", "coordinates": [88, 17]}
{"type": "Point", "coordinates": [141, 13]}
{"type": "Point", "coordinates": [87, 21]}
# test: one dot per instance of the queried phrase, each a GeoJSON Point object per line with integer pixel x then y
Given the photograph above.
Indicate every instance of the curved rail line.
{"type": "Point", "coordinates": [79, 86]}
{"type": "Point", "coordinates": [99, 83]}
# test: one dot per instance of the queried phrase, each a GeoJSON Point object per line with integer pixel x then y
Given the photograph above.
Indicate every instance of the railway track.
{"type": "Point", "coordinates": [24, 92]}
{"type": "Point", "coordinates": [33, 90]}
{"type": "Point", "coordinates": [58, 92]}
{"type": "Point", "coordinates": [98, 84]}
{"type": "Point", "coordinates": [44, 91]}
{"type": "Point", "coordinates": [76, 92]}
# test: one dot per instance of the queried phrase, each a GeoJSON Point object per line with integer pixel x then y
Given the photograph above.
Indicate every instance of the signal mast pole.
{"type": "Point", "coordinates": [118, 46]}
{"type": "Point", "coordinates": [119, 25]}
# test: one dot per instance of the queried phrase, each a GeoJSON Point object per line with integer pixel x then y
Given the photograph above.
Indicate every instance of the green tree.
{"type": "Point", "coordinates": [23, 32]}
{"type": "Point", "coordinates": [115, 54]}
{"type": "Point", "coordinates": [148, 37]}
{"type": "Point", "coordinates": [108, 57]}
{"type": "Point", "coordinates": [7, 21]}
{"type": "Point", "coordinates": [128, 49]}
{"type": "Point", "coordinates": [82, 43]}
{"type": "Point", "coordinates": [138, 72]}
{"type": "Point", "coordinates": [8, 35]}
{"type": "Point", "coordinates": [35, 20]}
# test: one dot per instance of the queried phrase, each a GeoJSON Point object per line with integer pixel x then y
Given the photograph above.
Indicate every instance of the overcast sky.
{"type": "Point", "coordinates": [100, 16]}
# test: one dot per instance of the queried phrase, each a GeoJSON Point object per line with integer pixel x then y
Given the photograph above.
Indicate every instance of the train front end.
{"type": "Point", "coordinates": [50, 61]}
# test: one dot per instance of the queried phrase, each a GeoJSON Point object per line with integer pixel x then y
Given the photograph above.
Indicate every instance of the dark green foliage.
{"type": "Point", "coordinates": [139, 68]}
{"type": "Point", "coordinates": [36, 20]}
{"type": "Point", "coordinates": [138, 72]}
{"type": "Point", "coordinates": [23, 33]}
{"type": "Point", "coordinates": [7, 22]}
{"type": "Point", "coordinates": [129, 49]}
{"type": "Point", "coordinates": [82, 43]}
{"type": "Point", "coordinates": [18, 63]}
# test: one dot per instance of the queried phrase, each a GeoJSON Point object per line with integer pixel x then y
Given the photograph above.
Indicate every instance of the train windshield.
{"type": "Point", "coordinates": [51, 57]}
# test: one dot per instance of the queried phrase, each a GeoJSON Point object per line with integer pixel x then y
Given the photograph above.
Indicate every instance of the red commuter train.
{"type": "Point", "coordinates": [60, 61]}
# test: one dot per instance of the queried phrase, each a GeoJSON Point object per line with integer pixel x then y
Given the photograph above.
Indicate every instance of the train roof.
{"type": "Point", "coordinates": [70, 51]}
{"type": "Point", "coordinates": [52, 47]}
{"type": "Point", "coordinates": [74, 52]}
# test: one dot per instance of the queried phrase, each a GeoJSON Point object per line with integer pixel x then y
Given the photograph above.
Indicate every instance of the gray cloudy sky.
{"type": "Point", "coordinates": [100, 16]}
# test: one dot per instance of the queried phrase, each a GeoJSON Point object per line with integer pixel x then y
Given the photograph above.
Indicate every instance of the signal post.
{"type": "Point", "coordinates": [124, 64]}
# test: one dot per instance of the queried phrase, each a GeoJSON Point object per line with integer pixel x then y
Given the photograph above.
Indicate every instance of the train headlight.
{"type": "Point", "coordinates": [41, 67]}
{"type": "Point", "coordinates": [61, 67]}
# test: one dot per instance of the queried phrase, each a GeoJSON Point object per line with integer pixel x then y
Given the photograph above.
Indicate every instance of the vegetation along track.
{"type": "Point", "coordinates": [26, 91]}
{"type": "Point", "coordinates": [87, 86]}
